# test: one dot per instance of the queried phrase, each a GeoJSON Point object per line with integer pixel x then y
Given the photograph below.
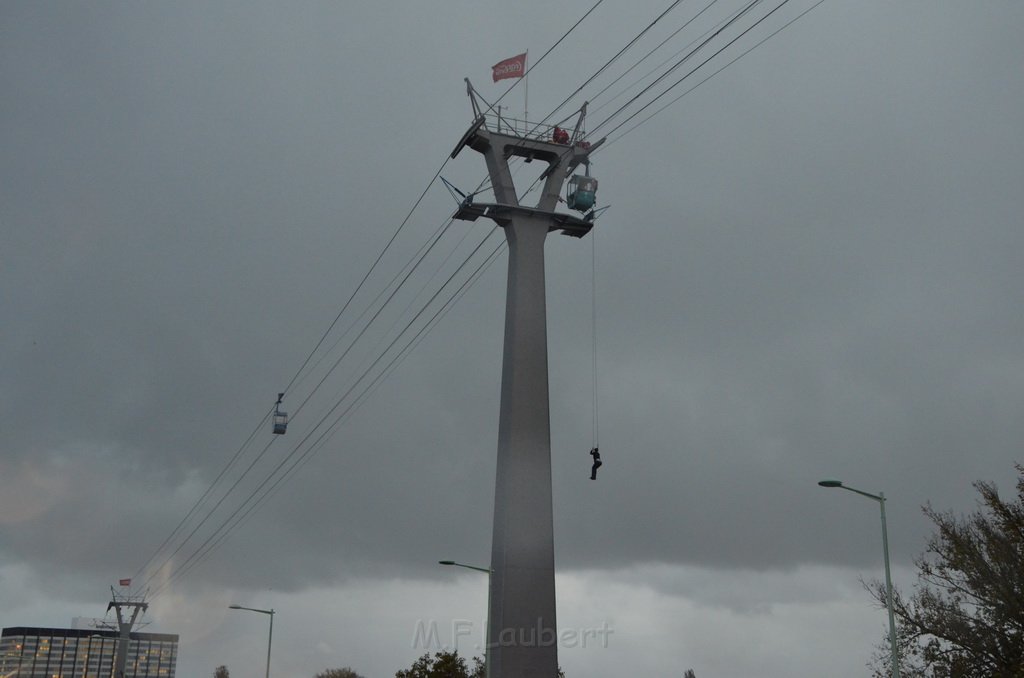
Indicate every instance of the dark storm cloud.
{"type": "Point", "coordinates": [811, 268]}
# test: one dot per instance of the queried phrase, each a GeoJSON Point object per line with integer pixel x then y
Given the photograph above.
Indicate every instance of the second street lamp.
{"type": "Point", "coordinates": [468, 567]}
{"type": "Point", "coordinates": [880, 498]}
{"type": "Point", "coordinates": [271, 638]}
{"type": "Point", "coordinates": [487, 571]}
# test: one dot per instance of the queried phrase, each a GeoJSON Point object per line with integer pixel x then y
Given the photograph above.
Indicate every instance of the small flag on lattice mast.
{"type": "Point", "coordinates": [124, 582]}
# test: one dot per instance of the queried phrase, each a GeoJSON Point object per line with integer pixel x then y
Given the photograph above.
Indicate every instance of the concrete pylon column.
{"type": "Point", "coordinates": [522, 632]}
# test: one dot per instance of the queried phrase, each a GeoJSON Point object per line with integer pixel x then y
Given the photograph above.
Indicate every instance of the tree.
{"type": "Point", "coordinates": [338, 673]}
{"type": "Point", "coordinates": [965, 618]}
{"type": "Point", "coordinates": [221, 672]}
{"type": "Point", "coordinates": [447, 665]}
{"type": "Point", "coordinates": [689, 674]}
{"type": "Point", "coordinates": [443, 665]}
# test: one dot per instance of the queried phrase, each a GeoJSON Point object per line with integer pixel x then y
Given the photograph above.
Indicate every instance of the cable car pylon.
{"type": "Point", "coordinates": [522, 631]}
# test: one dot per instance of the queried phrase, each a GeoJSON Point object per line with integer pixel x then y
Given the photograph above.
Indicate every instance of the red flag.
{"type": "Point", "coordinates": [513, 67]}
{"type": "Point", "coordinates": [124, 582]}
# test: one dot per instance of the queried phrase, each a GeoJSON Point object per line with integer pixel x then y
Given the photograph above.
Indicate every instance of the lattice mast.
{"type": "Point", "coordinates": [125, 624]}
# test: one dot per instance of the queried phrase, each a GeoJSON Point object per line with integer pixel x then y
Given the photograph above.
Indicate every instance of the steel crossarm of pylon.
{"type": "Point", "coordinates": [498, 146]}
{"type": "Point", "coordinates": [568, 224]}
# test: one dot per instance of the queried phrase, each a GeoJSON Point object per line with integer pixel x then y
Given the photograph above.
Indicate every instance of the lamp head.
{"type": "Point", "coordinates": [446, 562]}
{"type": "Point", "coordinates": [234, 607]}
{"type": "Point", "coordinates": [830, 483]}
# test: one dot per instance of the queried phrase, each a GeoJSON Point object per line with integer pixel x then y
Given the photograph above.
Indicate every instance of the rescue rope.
{"type": "Point", "coordinates": [593, 328]}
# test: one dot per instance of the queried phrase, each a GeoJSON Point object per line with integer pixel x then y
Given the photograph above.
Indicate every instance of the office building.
{"type": "Point", "coordinates": [29, 652]}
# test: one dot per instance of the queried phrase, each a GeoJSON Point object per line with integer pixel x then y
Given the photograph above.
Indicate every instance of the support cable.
{"type": "Point", "coordinates": [238, 453]}
{"type": "Point", "coordinates": [199, 502]}
{"type": "Point", "coordinates": [615, 58]}
{"type": "Point", "coordinates": [209, 514]}
{"type": "Point", "coordinates": [593, 329]}
{"type": "Point", "coordinates": [227, 525]}
{"type": "Point", "coordinates": [373, 266]}
{"type": "Point", "coordinates": [646, 56]}
{"type": "Point", "coordinates": [305, 362]}
{"type": "Point", "coordinates": [691, 72]}
{"type": "Point", "coordinates": [377, 314]}
{"type": "Point", "coordinates": [241, 520]}
{"type": "Point", "coordinates": [409, 266]}
{"type": "Point", "coordinates": [549, 50]}
{"type": "Point", "coordinates": [691, 53]}
{"type": "Point", "coordinates": [530, 132]}
{"type": "Point", "coordinates": [238, 480]}
{"type": "Point", "coordinates": [748, 51]}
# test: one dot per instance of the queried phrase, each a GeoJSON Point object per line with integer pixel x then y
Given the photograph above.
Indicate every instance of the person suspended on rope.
{"type": "Point", "coordinates": [597, 463]}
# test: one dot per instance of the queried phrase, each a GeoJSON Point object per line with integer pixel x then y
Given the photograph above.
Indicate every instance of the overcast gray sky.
{"type": "Point", "coordinates": [810, 268]}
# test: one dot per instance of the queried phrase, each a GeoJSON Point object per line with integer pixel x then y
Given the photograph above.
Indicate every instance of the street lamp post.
{"type": "Point", "coordinates": [880, 498]}
{"type": "Point", "coordinates": [488, 571]}
{"type": "Point", "coordinates": [468, 567]}
{"type": "Point", "coordinates": [270, 639]}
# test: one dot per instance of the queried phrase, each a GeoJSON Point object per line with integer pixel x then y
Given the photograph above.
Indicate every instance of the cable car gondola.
{"type": "Point", "coordinates": [280, 418]}
{"type": "Point", "coordinates": [581, 192]}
